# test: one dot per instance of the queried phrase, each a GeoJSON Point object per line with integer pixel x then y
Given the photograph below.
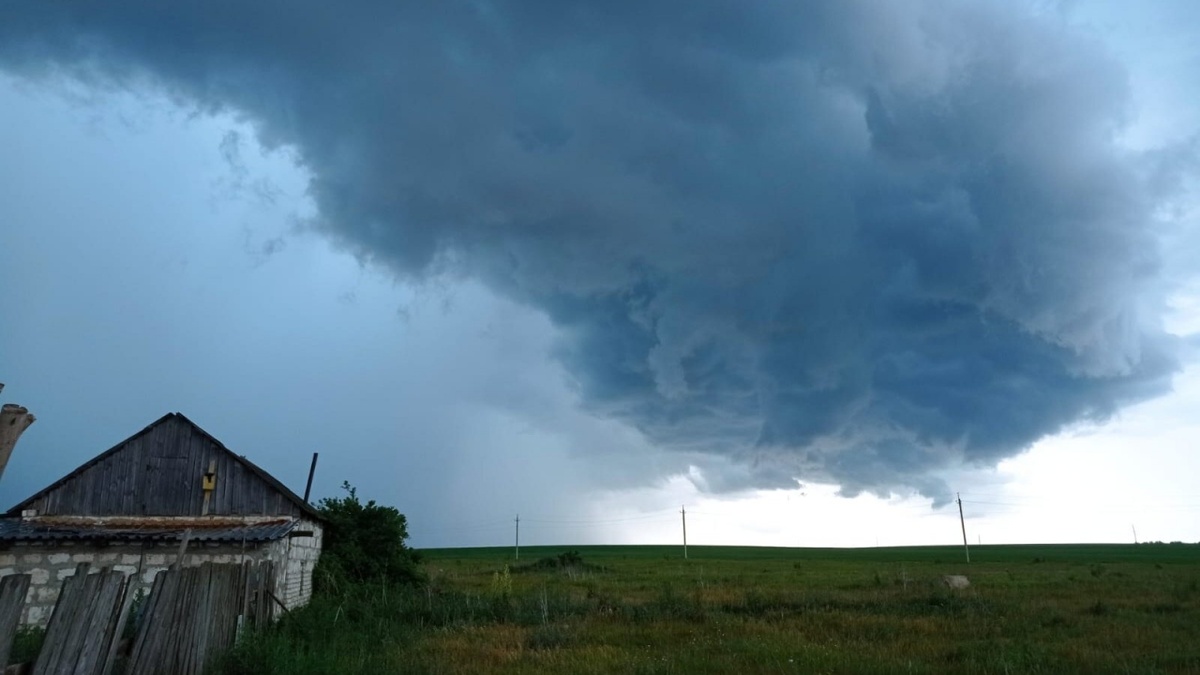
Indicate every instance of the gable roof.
{"type": "Point", "coordinates": [270, 480]}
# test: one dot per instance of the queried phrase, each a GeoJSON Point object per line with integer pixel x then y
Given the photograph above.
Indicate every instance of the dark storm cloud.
{"type": "Point", "coordinates": [849, 241]}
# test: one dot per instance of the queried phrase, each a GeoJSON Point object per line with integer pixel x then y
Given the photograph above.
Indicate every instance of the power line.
{"type": "Point", "coordinates": [657, 514]}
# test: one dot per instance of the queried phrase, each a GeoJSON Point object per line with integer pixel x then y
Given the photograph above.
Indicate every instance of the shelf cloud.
{"type": "Point", "coordinates": [848, 241]}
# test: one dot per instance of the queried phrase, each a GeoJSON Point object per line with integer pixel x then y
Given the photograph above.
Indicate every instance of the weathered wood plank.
{"type": "Point", "coordinates": [195, 616]}
{"type": "Point", "coordinates": [103, 607]}
{"type": "Point", "coordinates": [80, 634]}
{"type": "Point", "coordinates": [13, 589]}
{"type": "Point", "coordinates": [158, 472]}
{"type": "Point", "coordinates": [117, 628]}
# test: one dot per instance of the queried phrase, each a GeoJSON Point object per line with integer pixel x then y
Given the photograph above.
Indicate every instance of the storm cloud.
{"type": "Point", "coordinates": [847, 241]}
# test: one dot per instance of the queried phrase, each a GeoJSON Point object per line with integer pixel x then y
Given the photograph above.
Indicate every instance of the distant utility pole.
{"type": "Point", "coordinates": [683, 512]}
{"type": "Point", "coordinates": [1134, 533]}
{"type": "Point", "coordinates": [962, 521]}
{"type": "Point", "coordinates": [517, 541]}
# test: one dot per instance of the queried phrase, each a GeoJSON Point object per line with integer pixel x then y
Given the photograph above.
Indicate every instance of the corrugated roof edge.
{"type": "Point", "coordinates": [254, 468]}
{"type": "Point", "coordinates": [15, 529]}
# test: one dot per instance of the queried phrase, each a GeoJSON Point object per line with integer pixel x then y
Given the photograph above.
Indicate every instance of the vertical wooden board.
{"type": "Point", "coordinates": [104, 495]}
{"type": "Point", "coordinates": [103, 602]}
{"type": "Point", "coordinates": [158, 460]}
{"type": "Point", "coordinates": [149, 477]}
{"type": "Point", "coordinates": [268, 587]}
{"type": "Point", "coordinates": [13, 589]}
{"type": "Point", "coordinates": [137, 478]}
{"type": "Point", "coordinates": [121, 483]}
{"type": "Point", "coordinates": [259, 594]}
{"type": "Point", "coordinates": [73, 653]}
{"type": "Point", "coordinates": [237, 488]}
{"type": "Point", "coordinates": [113, 486]}
{"type": "Point", "coordinates": [195, 637]}
{"type": "Point", "coordinates": [161, 596]}
{"type": "Point", "coordinates": [218, 638]}
{"type": "Point", "coordinates": [185, 617]}
{"type": "Point", "coordinates": [226, 605]}
{"type": "Point", "coordinates": [117, 628]}
{"type": "Point", "coordinates": [190, 475]}
{"type": "Point", "coordinates": [174, 627]}
{"type": "Point", "coordinates": [197, 448]}
{"type": "Point", "coordinates": [152, 630]}
{"type": "Point", "coordinates": [245, 582]}
{"type": "Point", "coordinates": [199, 616]}
{"type": "Point", "coordinates": [105, 626]}
{"type": "Point", "coordinates": [61, 618]}
{"type": "Point", "coordinates": [147, 606]}
{"type": "Point", "coordinates": [149, 634]}
{"type": "Point", "coordinates": [130, 467]}
{"type": "Point", "coordinates": [226, 485]}
{"type": "Point", "coordinates": [221, 489]}
{"type": "Point", "coordinates": [60, 631]}
{"type": "Point", "coordinates": [166, 643]}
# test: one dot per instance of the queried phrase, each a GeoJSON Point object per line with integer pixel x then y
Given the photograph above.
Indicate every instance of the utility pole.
{"type": "Point", "coordinates": [683, 512]}
{"type": "Point", "coordinates": [1134, 533]}
{"type": "Point", "coordinates": [517, 542]}
{"type": "Point", "coordinates": [962, 521]}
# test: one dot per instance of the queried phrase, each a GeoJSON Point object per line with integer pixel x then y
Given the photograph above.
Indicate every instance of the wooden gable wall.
{"type": "Point", "coordinates": [159, 472]}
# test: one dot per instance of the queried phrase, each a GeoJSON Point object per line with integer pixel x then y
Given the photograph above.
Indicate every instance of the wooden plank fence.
{"type": "Point", "coordinates": [81, 629]}
{"type": "Point", "coordinates": [13, 589]}
{"type": "Point", "coordinates": [191, 615]}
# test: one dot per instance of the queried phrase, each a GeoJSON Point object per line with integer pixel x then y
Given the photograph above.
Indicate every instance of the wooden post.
{"type": "Point", "coordinates": [311, 470]}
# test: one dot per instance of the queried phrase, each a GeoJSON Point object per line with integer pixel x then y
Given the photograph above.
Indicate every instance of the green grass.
{"type": "Point", "coordinates": [642, 609]}
{"type": "Point", "coordinates": [1155, 553]}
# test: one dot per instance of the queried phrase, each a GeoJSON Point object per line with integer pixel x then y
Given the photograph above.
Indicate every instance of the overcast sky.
{"type": "Point", "coordinates": [809, 268]}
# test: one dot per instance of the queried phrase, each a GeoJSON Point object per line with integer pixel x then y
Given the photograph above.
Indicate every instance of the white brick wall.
{"type": "Point", "coordinates": [294, 559]}
{"type": "Point", "coordinates": [49, 563]}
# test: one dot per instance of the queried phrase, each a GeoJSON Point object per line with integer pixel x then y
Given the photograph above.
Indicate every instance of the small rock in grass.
{"type": "Point", "coordinates": [955, 581]}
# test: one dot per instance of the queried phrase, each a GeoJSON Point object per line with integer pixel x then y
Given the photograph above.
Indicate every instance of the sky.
{"type": "Point", "coordinates": [808, 270]}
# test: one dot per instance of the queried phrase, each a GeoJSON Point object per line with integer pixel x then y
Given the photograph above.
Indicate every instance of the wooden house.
{"type": "Point", "coordinates": [169, 494]}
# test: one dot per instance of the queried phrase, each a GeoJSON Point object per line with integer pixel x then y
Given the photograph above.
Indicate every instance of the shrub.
{"type": "Point", "coordinates": [567, 561]}
{"type": "Point", "coordinates": [502, 583]}
{"type": "Point", "coordinates": [26, 644]}
{"type": "Point", "coordinates": [364, 543]}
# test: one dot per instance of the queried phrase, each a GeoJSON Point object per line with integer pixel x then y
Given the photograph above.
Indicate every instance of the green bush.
{"type": "Point", "coordinates": [26, 644]}
{"type": "Point", "coordinates": [364, 543]}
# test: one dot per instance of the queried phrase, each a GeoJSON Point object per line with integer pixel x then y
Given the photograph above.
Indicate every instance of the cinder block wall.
{"type": "Point", "coordinates": [49, 563]}
{"type": "Point", "coordinates": [294, 559]}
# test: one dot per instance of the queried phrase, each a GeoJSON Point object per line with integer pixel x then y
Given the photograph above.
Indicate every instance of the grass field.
{"type": "Point", "coordinates": [643, 609]}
